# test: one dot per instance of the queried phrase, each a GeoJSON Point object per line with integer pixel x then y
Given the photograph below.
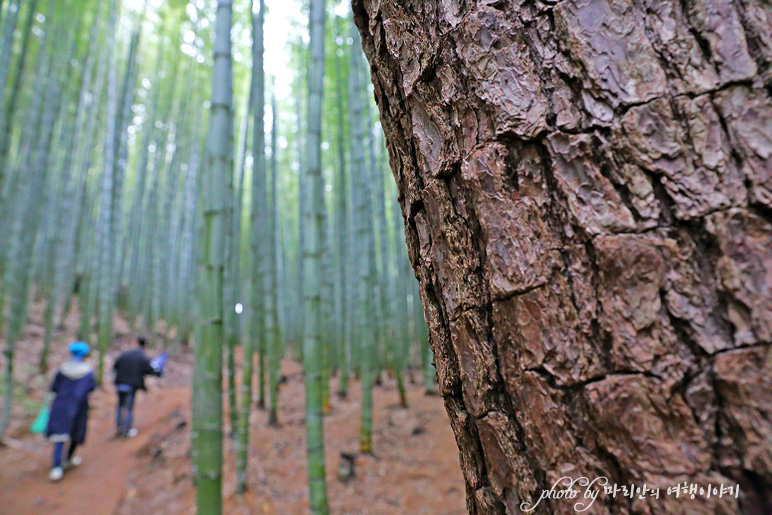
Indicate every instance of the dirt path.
{"type": "Point", "coordinates": [98, 485]}
{"type": "Point", "coordinates": [414, 469]}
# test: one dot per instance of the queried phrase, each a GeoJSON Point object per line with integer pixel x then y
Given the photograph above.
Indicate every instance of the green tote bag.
{"type": "Point", "coordinates": [41, 422]}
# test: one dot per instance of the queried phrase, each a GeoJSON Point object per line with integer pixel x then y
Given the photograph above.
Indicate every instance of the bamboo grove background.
{"type": "Point", "coordinates": [149, 168]}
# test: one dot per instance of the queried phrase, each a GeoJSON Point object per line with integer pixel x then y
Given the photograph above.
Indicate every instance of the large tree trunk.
{"type": "Point", "coordinates": [587, 188]}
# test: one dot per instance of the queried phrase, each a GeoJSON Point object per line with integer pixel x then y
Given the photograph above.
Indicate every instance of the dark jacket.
{"type": "Point", "coordinates": [131, 367]}
{"type": "Point", "coordinates": [69, 412]}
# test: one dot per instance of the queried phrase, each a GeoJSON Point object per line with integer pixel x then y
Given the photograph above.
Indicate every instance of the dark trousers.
{"type": "Point", "coordinates": [59, 450]}
{"type": "Point", "coordinates": [125, 412]}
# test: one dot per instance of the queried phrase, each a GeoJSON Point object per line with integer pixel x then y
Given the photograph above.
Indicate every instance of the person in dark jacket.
{"type": "Point", "coordinates": [68, 419]}
{"type": "Point", "coordinates": [130, 369]}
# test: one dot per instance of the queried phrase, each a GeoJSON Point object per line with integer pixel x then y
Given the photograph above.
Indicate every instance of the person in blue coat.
{"type": "Point", "coordinates": [68, 419]}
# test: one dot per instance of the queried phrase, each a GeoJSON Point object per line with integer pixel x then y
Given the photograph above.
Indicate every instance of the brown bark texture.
{"type": "Point", "coordinates": [587, 190]}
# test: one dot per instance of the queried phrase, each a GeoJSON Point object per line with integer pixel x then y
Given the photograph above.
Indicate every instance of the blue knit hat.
{"type": "Point", "coordinates": [79, 349]}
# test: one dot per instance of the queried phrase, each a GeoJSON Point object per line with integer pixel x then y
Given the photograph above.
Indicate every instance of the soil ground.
{"type": "Point", "coordinates": [414, 468]}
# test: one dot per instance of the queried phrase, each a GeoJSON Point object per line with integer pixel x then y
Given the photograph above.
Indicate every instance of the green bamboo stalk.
{"type": "Point", "coordinates": [104, 222]}
{"type": "Point", "coordinates": [207, 394]}
{"type": "Point", "coordinates": [312, 265]}
{"type": "Point", "coordinates": [43, 255]}
{"type": "Point", "coordinates": [6, 50]}
{"type": "Point", "coordinates": [259, 198]}
{"type": "Point", "coordinates": [326, 294]}
{"type": "Point", "coordinates": [14, 179]}
{"type": "Point", "coordinates": [27, 217]}
{"type": "Point", "coordinates": [50, 244]}
{"type": "Point", "coordinates": [137, 218]}
{"type": "Point", "coordinates": [84, 262]}
{"type": "Point", "coordinates": [233, 321]}
{"type": "Point", "coordinates": [7, 111]}
{"type": "Point", "coordinates": [164, 237]}
{"type": "Point", "coordinates": [84, 294]}
{"type": "Point", "coordinates": [382, 348]}
{"type": "Point", "coordinates": [400, 264]}
{"type": "Point", "coordinates": [257, 239]}
{"type": "Point", "coordinates": [302, 207]}
{"type": "Point", "coordinates": [187, 256]}
{"type": "Point", "coordinates": [365, 330]}
{"type": "Point", "coordinates": [342, 233]}
{"type": "Point", "coordinates": [273, 329]}
{"type": "Point", "coordinates": [125, 103]}
{"type": "Point", "coordinates": [72, 194]}
{"type": "Point", "coordinates": [164, 169]}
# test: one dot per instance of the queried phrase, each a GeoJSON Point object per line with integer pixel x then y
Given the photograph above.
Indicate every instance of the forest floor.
{"type": "Point", "coordinates": [414, 468]}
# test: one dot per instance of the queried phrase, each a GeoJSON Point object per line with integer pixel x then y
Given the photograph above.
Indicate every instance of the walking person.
{"type": "Point", "coordinates": [68, 419]}
{"type": "Point", "coordinates": [130, 369]}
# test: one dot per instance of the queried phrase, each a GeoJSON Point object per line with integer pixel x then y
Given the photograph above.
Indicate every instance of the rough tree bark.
{"type": "Point", "coordinates": [587, 189]}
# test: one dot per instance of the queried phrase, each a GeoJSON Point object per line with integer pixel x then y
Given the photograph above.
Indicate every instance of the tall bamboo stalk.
{"type": "Point", "coordinates": [401, 267]}
{"type": "Point", "coordinates": [257, 240]}
{"type": "Point", "coordinates": [382, 352]}
{"type": "Point", "coordinates": [27, 215]}
{"type": "Point", "coordinates": [312, 264]}
{"type": "Point", "coordinates": [106, 236]}
{"type": "Point", "coordinates": [62, 205]}
{"type": "Point", "coordinates": [259, 199]}
{"type": "Point", "coordinates": [207, 398]}
{"type": "Point", "coordinates": [365, 298]}
{"type": "Point", "coordinates": [272, 327]}
{"type": "Point", "coordinates": [342, 233]}
{"type": "Point", "coordinates": [234, 290]}
{"type": "Point", "coordinates": [6, 112]}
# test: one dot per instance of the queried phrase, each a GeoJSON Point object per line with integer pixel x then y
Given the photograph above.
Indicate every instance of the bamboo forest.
{"type": "Point", "coordinates": [385, 257]}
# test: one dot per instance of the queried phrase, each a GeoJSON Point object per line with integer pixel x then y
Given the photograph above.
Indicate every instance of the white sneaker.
{"type": "Point", "coordinates": [132, 433]}
{"type": "Point", "coordinates": [56, 474]}
{"type": "Point", "coordinates": [74, 462]}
